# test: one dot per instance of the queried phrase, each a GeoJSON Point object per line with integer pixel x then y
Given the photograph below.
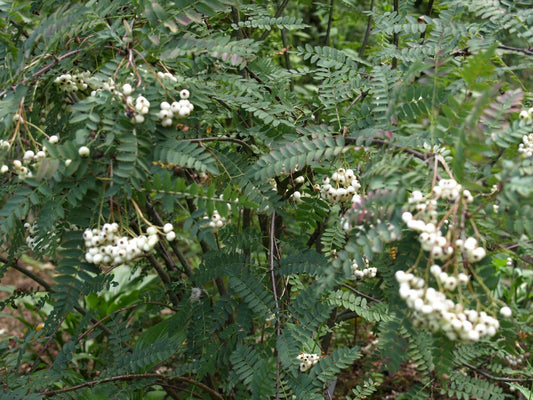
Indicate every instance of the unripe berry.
{"type": "Point", "coordinates": [184, 94]}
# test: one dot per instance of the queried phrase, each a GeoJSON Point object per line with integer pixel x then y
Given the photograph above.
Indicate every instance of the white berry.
{"type": "Point", "coordinates": [84, 151]}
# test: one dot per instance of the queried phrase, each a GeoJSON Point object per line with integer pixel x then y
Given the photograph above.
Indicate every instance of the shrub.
{"type": "Point", "coordinates": [267, 200]}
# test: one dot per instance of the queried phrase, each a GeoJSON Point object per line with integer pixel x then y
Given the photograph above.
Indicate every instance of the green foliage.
{"type": "Point", "coordinates": [174, 178]}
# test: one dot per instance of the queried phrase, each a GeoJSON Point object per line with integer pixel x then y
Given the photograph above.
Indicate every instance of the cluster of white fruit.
{"type": "Point", "coordinates": [73, 82]}
{"type": "Point", "coordinates": [196, 293]}
{"type": "Point", "coordinates": [366, 272]}
{"type": "Point", "coordinates": [23, 168]}
{"type": "Point", "coordinates": [425, 222]}
{"type": "Point", "coordinates": [141, 107]}
{"type": "Point", "coordinates": [31, 240]}
{"type": "Point", "coordinates": [342, 187]}
{"type": "Point", "coordinates": [106, 247]}
{"type": "Point", "coordinates": [307, 360]}
{"type": "Point", "coordinates": [526, 147]}
{"type": "Point", "coordinates": [216, 222]}
{"type": "Point", "coordinates": [434, 311]}
{"type": "Point", "coordinates": [166, 75]}
{"type": "Point", "coordinates": [527, 115]}
{"type": "Point", "coordinates": [178, 109]}
{"type": "Point", "coordinates": [515, 360]}
{"type": "Point", "coordinates": [297, 195]}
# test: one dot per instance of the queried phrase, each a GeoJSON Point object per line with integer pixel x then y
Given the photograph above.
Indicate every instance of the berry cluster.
{"type": "Point", "coordinates": [366, 272]}
{"type": "Point", "coordinates": [166, 75]}
{"type": "Point", "coordinates": [196, 293]}
{"type": "Point", "coordinates": [434, 311]}
{"type": "Point", "coordinates": [431, 307]}
{"type": "Point", "coordinates": [216, 221]}
{"type": "Point", "coordinates": [141, 107]}
{"type": "Point", "coordinates": [23, 168]}
{"type": "Point", "coordinates": [307, 360]}
{"type": "Point", "coordinates": [342, 187]}
{"type": "Point", "coordinates": [31, 239]}
{"type": "Point", "coordinates": [425, 221]}
{"type": "Point", "coordinates": [73, 82]}
{"type": "Point", "coordinates": [515, 361]}
{"type": "Point", "coordinates": [527, 115]}
{"type": "Point", "coordinates": [526, 147]}
{"type": "Point", "coordinates": [106, 247]}
{"type": "Point", "coordinates": [178, 109]}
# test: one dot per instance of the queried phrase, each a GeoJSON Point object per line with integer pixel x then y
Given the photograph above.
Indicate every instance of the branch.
{"type": "Point", "coordinates": [16, 265]}
{"type": "Point", "coordinates": [164, 277]}
{"type": "Point", "coordinates": [357, 292]}
{"type": "Point", "coordinates": [496, 378]}
{"type": "Point", "coordinates": [277, 15]}
{"type": "Point", "coordinates": [129, 377]}
{"type": "Point", "coordinates": [395, 37]}
{"type": "Point", "coordinates": [29, 274]}
{"type": "Point", "coordinates": [42, 70]}
{"type": "Point", "coordinates": [330, 22]}
{"type": "Point", "coordinates": [528, 52]}
{"type": "Point", "coordinates": [275, 293]}
{"type": "Point", "coordinates": [223, 139]}
{"type": "Point", "coordinates": [381, 142]}
{"type": "Point", "coordinates": [368, 29]}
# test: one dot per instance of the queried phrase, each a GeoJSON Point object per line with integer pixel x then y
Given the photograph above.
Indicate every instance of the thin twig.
{"type": "Point", "coordinates": [395, 37]}
{"type": "Point", "coordinates": [428, 13]}
{"type": "Point", "coordinates": [357, 292]}
{"type": "Point", "coordinates": [277, 15]}
{"type": "Point", "coordinates": [157, 219]}
{"type": "Point", "coordinates": [100, 321]}
{"type": "Point", "coordinates": [495, 378]}
{"type": "Point", "coordinates": [382, 142]}
{"type": "Point", "coordinates": [129, 377]}
{"type": "Point", "coordinates": [330, 22]}
{"type": "Point", "coordinates": [360, 96]}
{"type": "Point", "coordinates": [222, 139]}
{"type": "Point", "coordinates": [528, 52]}
{"type": "Point", "coordinates": [368, 30]}
{"type": "Point", "coordinates": [275, 293]}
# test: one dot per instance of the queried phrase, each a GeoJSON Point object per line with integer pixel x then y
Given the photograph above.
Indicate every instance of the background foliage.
{"type": "Point", "coordinates": [404, 93]}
